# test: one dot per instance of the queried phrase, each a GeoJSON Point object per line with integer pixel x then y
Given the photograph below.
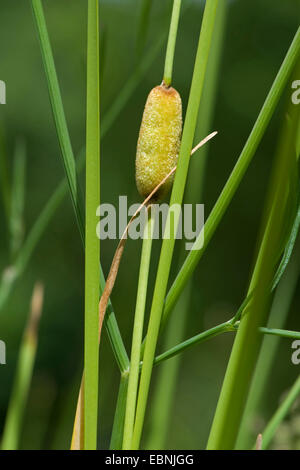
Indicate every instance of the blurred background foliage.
{"type": "Point", "coordinates": [258, 34]}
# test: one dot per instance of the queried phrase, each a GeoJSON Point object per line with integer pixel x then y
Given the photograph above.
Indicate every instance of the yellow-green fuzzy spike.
{"type": "Point", "coordinates": [159, 140]}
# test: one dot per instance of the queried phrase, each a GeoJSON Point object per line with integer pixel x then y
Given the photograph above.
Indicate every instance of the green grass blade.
{"type": "Point", "coordinates": [58, 111]}
{"type": "Point", "coordinates": [23, 376]}
{"type": "Point", "coordinates": [176, 198]}
{"type": "Point", "coordinates": [236, 175]}
{"type": "Point", "coordinates": [165, 389]}
{"type": "Point", "coordinates": [35, 234]}
{"type": "Point", "coordinates": [92, 242]}
{"type": "Point", "coordinates": [280, 414]}
{"type": "Point", "coordinates": [137, 334]}
{"type": "Point", "coordinates": [281, 301]}
{"type": "Point", "coordinates": [288, 274]}
{"type": "Point", "coordinates": [248, 340]}
{"type": "Point", "coordinates": [279, 312]}
{"type": "Point", "coordinates": [67, 153]}
{"type": "Point", "coordinates": [118, 426]}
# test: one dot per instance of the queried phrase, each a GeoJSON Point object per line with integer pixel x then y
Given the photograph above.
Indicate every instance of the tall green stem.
{"type": "Point", "coordinates": [118, 424]}
{"type": "Point", "coordinates": [176, 198]}
{"type": "Point", "coordinates": [92, 243]}
{"type": "Point", "coordinates": [58, 110]}
{"type": "Point", "coordinates": [168, 71]}
{"type": "Point", "coordinates": [259, 387]}
{"type": "Point", "coordinates": [280, 414]}
{"type": "Point", "coordinates": [236, 175]}
{"type": "Point", "coordinates": [279, 312]}
{"type": "Point", "coordinates": [165, 390]}
{"type": "Point", "coordinates": [23, 375]}
{"type": "Point", "coordinates": [248, 340]}
{"type": "Point", "coordinates": [138, 332]}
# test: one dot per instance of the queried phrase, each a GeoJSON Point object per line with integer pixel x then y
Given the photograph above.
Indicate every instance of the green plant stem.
{"type": "Point", "coordinates": [247, 342]}
{"type": "Point", "coordinates": [236, 176]}
{"type": "Point", "coordinates": [200, 338]}
{"type": "Point", "coordinates": [278, 316]}
{"type": "Point", "coordinates": [23, 376]}
{"type": "Point", "coordinates": [60, 192]}
{"type": "Point", "coordinates": [215, 331]}
{"type": "Point", "coordinates": [138, 332]}
{"type": "Point", "coordinates": [165, 389]}
{"type": "Point", "coordinates": [69, 163]}
{"type": "Point", "coordinates": [92, 243]}
{"type": "Point", "coordinates": [166, 381]}
{"type": "Point", "coordinates": [176, 198]}
{"type": "Point", "coordinates": [280, 414]}
{"type": "Point", "coordinates": [280, 332]}
{"type": "Point", "coordinates": [118, 425]}
{"type": "Point", "coordinates": [57, 108]}
{"type": "Point", "coordinates": [168, 71]}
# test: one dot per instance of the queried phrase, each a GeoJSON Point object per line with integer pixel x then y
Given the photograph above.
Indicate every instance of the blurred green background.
{"type": "Point", "coordinates": [258, 34]}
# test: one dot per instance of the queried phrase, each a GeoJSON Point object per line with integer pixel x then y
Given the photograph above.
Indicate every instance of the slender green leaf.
{"type": "Point", "coordinates": [92, 242]}
{"type": "Point", "coordinates": [176, 198]}
{"type": "Point", "coordinates": [236, 175]}
{"type": "Point", "coordinates": [280, 414]}
{"type": "Point", "coordinates": [248, 341]}
{"type": "Point", "coordinates": [23, 376]}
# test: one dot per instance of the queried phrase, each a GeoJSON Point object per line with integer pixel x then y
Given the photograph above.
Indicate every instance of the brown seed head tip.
{"type": "Point", "coordinates": [159, 140]}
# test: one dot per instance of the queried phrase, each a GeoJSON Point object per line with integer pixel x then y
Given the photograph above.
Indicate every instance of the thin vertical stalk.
{"type": "Point", "coordinates": [92, 243]}
{"type": "Point", "coordinates": [279, 312]}
{"type": "Point", "coordinates": [236, 176]}
{"type": "Point", "coordinates": [58, 111]}
{"type": "Point", "coordinates": [21, 386]}
{"type": "Point", "coordinates": [280, 307]}
{"type": "Point", "coordinates": [138, 332]}
{"type": "Point", "coordinates": [176, 198]}
{"type": "Point", "coordinates": [165, 390]}
{"type": "Point", "coordinates": [248, 340]}
{"type": "Point", "coordinates": [280, 414]}
{"type": "Point", "coordinates": [168, 70]}
{"type": "Point", "coordinates": [118, 425]}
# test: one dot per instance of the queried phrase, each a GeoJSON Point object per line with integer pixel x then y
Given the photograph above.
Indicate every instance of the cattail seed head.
{"type": "Point", "coordinates": [159, 141]}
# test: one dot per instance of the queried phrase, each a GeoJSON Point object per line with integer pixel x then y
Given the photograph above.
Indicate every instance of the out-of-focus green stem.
{"type": "Point", "coordinates": [138, 332]}
{"type": "Point", "coordinates": [23, 376]}
{"type": "Point", "coordinates": [280, 414]}
{"type": "Point", "coordinates": [248, 341]}
{"type": "Point", "coordinates": [279, 313]}
{"type": "Point", "coordinates": [236, 176]}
